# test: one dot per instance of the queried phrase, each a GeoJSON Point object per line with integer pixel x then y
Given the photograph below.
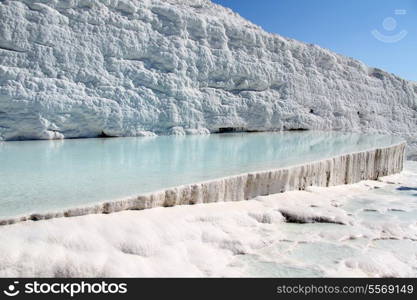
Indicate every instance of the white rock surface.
{"type": "Point", "coordinates": [84, 68]}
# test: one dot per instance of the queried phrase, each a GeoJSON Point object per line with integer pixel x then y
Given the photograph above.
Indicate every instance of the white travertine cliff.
{"type": "Point", "coordinates": [256, 238]}
{"type": "Point", "coordinates": [87, 68]}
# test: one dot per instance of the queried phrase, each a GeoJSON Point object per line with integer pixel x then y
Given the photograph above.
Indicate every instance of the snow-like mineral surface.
{"type": "Point", "coordinates": [365, 229]}
{"type": "Point", "coordinates": [131, 68]}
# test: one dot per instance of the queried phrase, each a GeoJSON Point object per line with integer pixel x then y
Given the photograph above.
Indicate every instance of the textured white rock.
{"type": "Point", "coordinates": [121, 68]}
{"type": "Point", "coordinates": [344, 169]}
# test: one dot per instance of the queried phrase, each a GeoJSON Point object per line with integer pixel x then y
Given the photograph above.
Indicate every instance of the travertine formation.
{"type": "Point", "coordinates": [273, 236]}
{"type": "Point", "coordinates": [87, 68]}
{"type": "Point", "coordinates": [344, 169]}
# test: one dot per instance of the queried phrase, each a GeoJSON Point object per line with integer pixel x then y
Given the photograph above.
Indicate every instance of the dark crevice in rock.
{"type": "Point", "coordinates": [370, 210]}
{"type": "Point", "coordinates": [406, 188]}
{"type": "Point", "coordinates": [388, 238]}
{"type": "Point", "coordinates": [294, 218]}
{"type": "Point", "coordinates": [105, 135]}
{"type": "Point", "coordinates": [396, 210]}
{"type": "Point", "coordinates": [231, 129]}
{"type": "Point", "coordinates": [238, 91]}
{"type": "Point", "coordinates": [328, 174]}
{"type": "Point", "coordinates": [35, 217]}
{"type": "Point", "coordinates": [378, 73]}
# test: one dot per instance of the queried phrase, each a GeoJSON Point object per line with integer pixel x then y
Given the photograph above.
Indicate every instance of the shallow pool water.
{"type": "Point", "coordinates": [234, 239]}
{"type": "Point", "coordinates": [40, 176]}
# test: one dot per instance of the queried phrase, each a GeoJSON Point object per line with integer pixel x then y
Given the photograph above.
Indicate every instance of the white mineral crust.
{"type": "Point", "coordinates": [132, 68]}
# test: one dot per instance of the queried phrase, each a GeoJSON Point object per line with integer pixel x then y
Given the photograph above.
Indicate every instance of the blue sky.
{"type": "Point", "coordinates": [344, 26]}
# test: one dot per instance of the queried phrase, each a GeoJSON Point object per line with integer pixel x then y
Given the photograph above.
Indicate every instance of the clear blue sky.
{"type": "Point", "coordinates": [344, 26]}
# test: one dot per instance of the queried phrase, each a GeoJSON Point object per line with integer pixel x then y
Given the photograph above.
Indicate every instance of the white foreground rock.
{"type": "Point", "coordinates": [131, 68]}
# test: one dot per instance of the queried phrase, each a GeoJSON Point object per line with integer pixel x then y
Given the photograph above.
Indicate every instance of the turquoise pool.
{"type": "Point", "coordinates": [40, 176]}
